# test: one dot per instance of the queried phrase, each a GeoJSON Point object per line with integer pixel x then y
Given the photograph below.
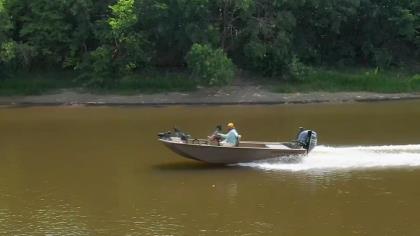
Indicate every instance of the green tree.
{"type": "Point", "coordinates": [48, 33]}
{"type": "Point", "coordinates": [5, 24]}
{"type": "Point", "coordinates": [129, 43]}
{"type": "Point", "coordinates": [231, 17]}
{"type": "Point", "coordinates": [123, 48]}
{"type": "Point", "coordinates": [368, 32]}
{"type": "Point", "coordinates": [387, 30]}
{"type": "Point", "coordinates": [7, 46]}
{"type": "Point", "coordinates": [320, 36]}
{"type": "Point", "coordinates": [268, 37]}
{"type": "Point", "coordinates": [210, 66]}
{"type": "Point", "coordinates": [106, 40]}
{"type": "Point", "coordinates": [174, 26]}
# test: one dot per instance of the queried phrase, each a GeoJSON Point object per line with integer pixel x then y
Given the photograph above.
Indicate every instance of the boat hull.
{"type": "Point", "coordinates": [229, 155]}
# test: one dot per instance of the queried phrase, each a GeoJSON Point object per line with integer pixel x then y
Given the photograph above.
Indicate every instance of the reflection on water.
{"type": "Point", "coordinates": [46, 216]}
{"type": "Point", "coordinates": [189, 166]}
{"type": "Point", "coordinates": [100, 171]}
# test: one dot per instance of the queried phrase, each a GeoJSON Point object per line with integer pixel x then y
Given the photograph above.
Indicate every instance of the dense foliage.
{"type": "Point", "coordinates": [209, 66]}
{"type": "Point", "coordinates": [107, 40]}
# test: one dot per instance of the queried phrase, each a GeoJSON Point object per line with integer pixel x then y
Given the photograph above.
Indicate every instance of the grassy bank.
{"type": "Point", "coordinates": [353, 80]}
{"type": "Point", "coordinates": [151, 82]}
{"type": "Point", "coordinates": [37, 83]}
{"type": "Point", "coordinates": [343, 80]}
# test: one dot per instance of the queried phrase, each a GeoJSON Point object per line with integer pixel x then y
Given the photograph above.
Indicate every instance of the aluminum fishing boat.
{"type": "Point", "coordinates": [246, 151]}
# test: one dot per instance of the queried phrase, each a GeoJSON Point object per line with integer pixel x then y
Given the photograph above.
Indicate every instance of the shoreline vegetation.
{"type": "Point", "coordinates": [170, 88]}
{"type": "Point", "coordinates": [316, 80]}
{"type": "Point", "coordinates": [139, 47]}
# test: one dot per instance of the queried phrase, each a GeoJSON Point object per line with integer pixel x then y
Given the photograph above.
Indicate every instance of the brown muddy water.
{"type": "Point", "coordinates": [101, 171]}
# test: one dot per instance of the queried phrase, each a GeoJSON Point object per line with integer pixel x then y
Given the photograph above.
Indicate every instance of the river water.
{"type": "Point", "coordinates": [101, 171]}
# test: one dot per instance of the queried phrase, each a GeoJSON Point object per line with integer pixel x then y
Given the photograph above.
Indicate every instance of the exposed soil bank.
{"type": "Point", "coordinates": [205, 96]}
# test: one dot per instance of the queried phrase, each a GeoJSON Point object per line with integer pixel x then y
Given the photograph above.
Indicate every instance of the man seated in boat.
{"type": "Point", "coordinates": [215, 137]}
{"type": "Point", "coordinates": [231, 138]}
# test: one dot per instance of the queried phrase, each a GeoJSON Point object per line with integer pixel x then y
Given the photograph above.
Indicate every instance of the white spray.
{"type": "Point", "coordinates": [324, 158]}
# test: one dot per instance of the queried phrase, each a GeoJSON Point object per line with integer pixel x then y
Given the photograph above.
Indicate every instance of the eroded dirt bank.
{"type": "Point", "coordinates": [204, 96]}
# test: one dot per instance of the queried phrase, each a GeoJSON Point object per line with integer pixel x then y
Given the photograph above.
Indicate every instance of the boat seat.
{"type": "Point", "coordinates": [277, 146]}
{"type": "Point", "coordinates": [252, 145]}
{"type": "Point", "coordinates": [238, 139]}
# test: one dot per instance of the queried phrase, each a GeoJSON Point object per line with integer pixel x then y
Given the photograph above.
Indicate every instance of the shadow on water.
{"type": "Point", "coordinates": [191, 166]}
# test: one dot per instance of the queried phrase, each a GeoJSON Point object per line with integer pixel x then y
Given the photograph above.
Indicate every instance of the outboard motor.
{"type": "Point", "coordinates": [308, 139]}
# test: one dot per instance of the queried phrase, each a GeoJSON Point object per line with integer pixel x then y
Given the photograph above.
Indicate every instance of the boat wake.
{"type": "Point", "coordinates": [324, 158]}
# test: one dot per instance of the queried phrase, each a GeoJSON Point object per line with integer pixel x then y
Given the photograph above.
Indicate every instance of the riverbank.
{"type": "Point", "coordinates": [174, 88]}
{"type": "Point", "coordinates": [235, 94]}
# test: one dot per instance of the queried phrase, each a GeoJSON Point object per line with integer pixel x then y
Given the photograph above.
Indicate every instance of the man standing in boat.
{"type": "Point", "coordinates": [231, 138]}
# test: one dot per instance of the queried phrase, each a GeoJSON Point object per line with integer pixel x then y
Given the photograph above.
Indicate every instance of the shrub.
{"type": "Point", "coordinates": [7, 58]}
{"type": "Point", "coordinates": [415, 82]}
{"type": "Point", "coordinates": [210, 66]}
{"type": "Point", "coordinates": [382, 58]}
{"type": "Point", "coordinates": [297, 70]}
{"type": "Point", "coordinates": [98, 69]}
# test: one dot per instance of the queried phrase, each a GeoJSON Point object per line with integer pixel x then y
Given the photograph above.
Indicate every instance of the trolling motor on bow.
{"type": "Point", "coordinates": [307, 139]}
{"type": "Point", "coordinates": [176, 134]}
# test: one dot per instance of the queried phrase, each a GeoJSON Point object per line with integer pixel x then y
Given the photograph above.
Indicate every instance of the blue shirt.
{"type": "Point", "coordinates": [231, 137]}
